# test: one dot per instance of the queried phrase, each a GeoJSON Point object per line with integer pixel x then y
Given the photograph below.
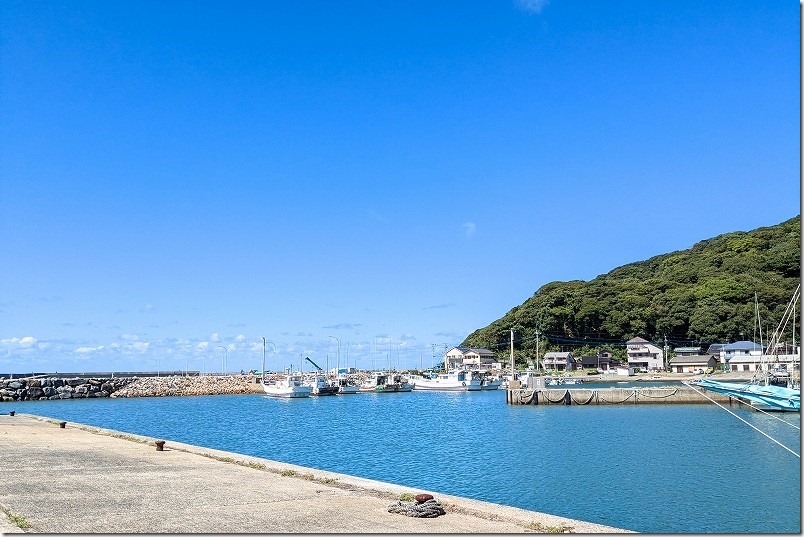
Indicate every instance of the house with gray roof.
{"type": "Point", "coordinates": [558, 361]}
{"type": "Point", "coordinates": [693, 363]}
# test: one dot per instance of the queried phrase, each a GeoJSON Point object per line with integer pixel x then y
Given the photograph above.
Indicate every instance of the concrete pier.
{"type": "Point", "coordinates": [82, 479]}
{"type": "Point", "coordinates": [665, 395]}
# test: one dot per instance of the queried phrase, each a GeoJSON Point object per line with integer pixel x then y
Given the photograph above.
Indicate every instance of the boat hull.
{"type": "Point", "coordinates": [757, 395]}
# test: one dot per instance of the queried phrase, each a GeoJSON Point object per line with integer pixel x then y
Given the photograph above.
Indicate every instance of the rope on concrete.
{"type": "Point", "coordinates": [429, 509]}
{"type": "Point", "coordinates": [560, 399]}
{"type": "Point", "coordinates": [633, 393]}
{"type": "Point", "coordinates": [591, 396]}
{"type": "Point", "coordinates": [524, 399]}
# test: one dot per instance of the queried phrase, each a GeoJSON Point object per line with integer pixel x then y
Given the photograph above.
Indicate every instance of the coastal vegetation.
{"type": "Point", "coordinates": [701, 295]}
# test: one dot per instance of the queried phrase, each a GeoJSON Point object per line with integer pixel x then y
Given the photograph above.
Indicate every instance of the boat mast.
{"type": "Point", "coordinates": [263, 361]}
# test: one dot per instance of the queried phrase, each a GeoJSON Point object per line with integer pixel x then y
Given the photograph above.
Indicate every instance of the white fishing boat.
{"type": "Point", "coordinates": [380, 382]}
{"type": "Point", "coordinates": [345, 385]}
{"type": "Point", "coordinates": [321, 386]}
{"type": "Point", "coordinates": [490, 382]}
{"type": "Point", "coordinates": [459, 380]}
{"type": "Point", "coordinates": [290, 385]}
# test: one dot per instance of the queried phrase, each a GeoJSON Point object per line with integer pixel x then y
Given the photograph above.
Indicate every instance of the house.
{"type": "Point", "coordinates": [471, 357]}
{"type": "Point", "coordinates": [747, 356]}
{"type": "Point", "coordinates": [693, 363]}
{"type": "Point", "coordinates": [558, 361]}
{"type": "Point", "coordinates": [644, 356]}
{"type": "Point", "coordinates": [601, 360]}
{"type": "Point", "coordinates": [688, 351]}
{"type": "Point", "coordinates": [748, 352]}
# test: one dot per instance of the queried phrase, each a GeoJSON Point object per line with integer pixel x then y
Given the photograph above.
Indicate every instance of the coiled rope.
{"type": "Point", "coordinates": [429, 509]}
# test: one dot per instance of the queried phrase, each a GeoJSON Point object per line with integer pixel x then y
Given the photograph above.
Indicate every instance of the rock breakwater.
{"type": "Point", "coordinates": [43, 389]}
{"type": "Point", "coordinates": [200, 385]}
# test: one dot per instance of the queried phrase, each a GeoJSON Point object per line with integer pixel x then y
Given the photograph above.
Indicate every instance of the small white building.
{"type": "Point", "coordinates": [644, 356]}
{"type": "Point", "coordinates": [472, 357]}
{"type": "Point", "coordinates": [558, 361]}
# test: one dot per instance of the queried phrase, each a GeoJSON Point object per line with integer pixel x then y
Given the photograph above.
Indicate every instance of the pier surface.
{"type": "Point", "coordinates": [82, 479]}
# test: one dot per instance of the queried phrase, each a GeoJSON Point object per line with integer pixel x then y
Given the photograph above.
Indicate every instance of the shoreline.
{"type": "Point", "coordinates": [105, 481]}
{"type": "Point", "coordinates": [47, 388]}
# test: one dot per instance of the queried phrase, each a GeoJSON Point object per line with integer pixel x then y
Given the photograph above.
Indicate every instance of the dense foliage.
{"type": "Point", "coordinates": [697, 296]}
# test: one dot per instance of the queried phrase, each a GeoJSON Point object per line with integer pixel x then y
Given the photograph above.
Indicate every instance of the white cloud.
{"type": "Point", "coordinates": [138, 346]}
{"type": "Point", "coordinates": [204, 345]}
{"type": "Point", "coordinates": [89, 350]}
{"type": "Point", "coordinates": [240, 338]}
{"type": "Point", "coordinates": [22, 342]}
{"type": "Point", "coordinates": [216, 337]}
{"type": "Point", "coordinates": [469, 229]}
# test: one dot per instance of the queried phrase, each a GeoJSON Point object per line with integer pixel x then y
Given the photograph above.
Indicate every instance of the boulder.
{"type": "Point", "coordinates": [35, 392]}
{"type": "Point", "coordinates": [15, 384]}
{"type": "Point", "coordinates": [75, 382]}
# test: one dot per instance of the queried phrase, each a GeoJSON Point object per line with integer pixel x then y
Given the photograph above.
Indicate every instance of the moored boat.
{"type": "Point", "coordinates": [460, 380]}
{"type": "Point", "coordinates": [290, 386]}
{"type": "Point", "coordinates": [321, 386]}
{"type": "Point", "coordinates": [345, 385]}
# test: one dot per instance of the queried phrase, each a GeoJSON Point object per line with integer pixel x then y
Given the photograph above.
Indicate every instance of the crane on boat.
{"type": "Point", "coordinates": [314, 364]}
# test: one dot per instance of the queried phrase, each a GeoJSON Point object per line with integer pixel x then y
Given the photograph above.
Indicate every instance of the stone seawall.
{"type": "Point", "coordinates": [43, 389]}
{"type": "Point", "coordinates": [201, 385]}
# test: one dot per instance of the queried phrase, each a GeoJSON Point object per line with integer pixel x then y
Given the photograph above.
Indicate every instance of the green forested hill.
{"type": "Point", "coordinates": [701, 295]}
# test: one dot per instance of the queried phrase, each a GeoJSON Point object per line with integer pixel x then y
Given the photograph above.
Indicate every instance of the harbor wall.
{"type": "Point", "coordinates": [613, 396]}
{"type": "Point", "coordinates": [44, 389]}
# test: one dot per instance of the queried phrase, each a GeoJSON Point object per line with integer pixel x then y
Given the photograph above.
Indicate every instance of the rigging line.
{"type": "Point", "coordinates": [775, 417]}
{"type": "Point", "coordinates": [742, 420]}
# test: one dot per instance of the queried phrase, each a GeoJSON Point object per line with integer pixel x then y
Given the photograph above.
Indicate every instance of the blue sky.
{"type": "Point", "coordinates": [178, 178]}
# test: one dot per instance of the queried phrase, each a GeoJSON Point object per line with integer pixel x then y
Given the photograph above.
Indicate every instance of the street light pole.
{"type": "Point", "coordinates": [225, 356]}
{"type": "Point", "coordinates": [338, 366]}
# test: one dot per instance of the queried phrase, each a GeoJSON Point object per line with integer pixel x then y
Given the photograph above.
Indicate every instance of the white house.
{"type": "Point", "coordinates": [644, 356]}
{"type": "Point", "coordinates": [558, 361]}
{"type": "Point", "coordinates": [470, 357]}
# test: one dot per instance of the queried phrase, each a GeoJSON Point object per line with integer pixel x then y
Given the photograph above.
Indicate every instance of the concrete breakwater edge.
{"type": "Point", "coordinates": [613, 396]}
{"type": "Point", "coordinates": [46, 388]}
{"type": "Point", "coordinates": [125, 483]}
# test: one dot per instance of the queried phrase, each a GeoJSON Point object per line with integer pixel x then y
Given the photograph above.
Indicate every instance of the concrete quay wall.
{"type": "Point", "coordinates": [83, 479]}
{"type": "Point", "coordinates": [613, 396]}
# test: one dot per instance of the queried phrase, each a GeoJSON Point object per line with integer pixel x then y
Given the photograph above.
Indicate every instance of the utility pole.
{"type": "Point", "coordinates": [537, 349]}
{"type": "Point", "coordinates": [666, 352]}
{"type": "Point", "coordinates": [513, 370]}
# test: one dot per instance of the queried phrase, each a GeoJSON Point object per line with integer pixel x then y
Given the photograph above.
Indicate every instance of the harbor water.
{"type": "Point", "coordinates": [655, 469]}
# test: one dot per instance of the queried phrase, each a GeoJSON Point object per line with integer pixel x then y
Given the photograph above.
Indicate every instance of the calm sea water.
{"type": "Point", "coordinates": [652, 468]}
